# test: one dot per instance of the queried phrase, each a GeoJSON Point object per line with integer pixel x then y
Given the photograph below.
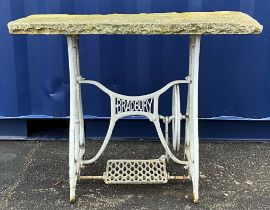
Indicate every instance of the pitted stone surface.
{"type": "Point", "coordinates": [152, 23]}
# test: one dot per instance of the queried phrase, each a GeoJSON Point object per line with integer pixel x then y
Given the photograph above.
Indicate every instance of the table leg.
{"type": "Point", "coordinates": [192, 137]}
{"type": "Point", "coordinates": [80, 107]}
{"type": "Point", "coordinates": [76, 127]}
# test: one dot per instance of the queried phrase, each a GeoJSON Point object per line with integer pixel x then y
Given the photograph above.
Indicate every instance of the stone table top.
{"type": "Point", "coordinates": [224, 22]}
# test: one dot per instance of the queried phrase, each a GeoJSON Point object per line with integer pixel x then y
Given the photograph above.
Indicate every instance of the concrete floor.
{"type": "Point", "coordinates": [34, 175]}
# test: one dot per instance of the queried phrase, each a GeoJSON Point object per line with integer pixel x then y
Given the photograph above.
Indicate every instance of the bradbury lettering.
{"type": "Point", "coordinates": [124, 105]}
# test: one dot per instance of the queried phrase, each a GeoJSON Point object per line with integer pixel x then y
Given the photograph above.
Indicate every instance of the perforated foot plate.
{"type": "Point", "coordinates": [136, 172]}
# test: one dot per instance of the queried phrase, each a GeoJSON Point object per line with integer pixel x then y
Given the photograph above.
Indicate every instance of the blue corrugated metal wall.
{"type": "Point", "coordinates": [234, 72]}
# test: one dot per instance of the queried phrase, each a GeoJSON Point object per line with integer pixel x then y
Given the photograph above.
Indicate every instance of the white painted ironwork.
{"type": "Point", "coordinates": [76, 127]}
{"type": "Point", "coordinates": [145, 105]}
{"type": "Point", "coordinates": [192, 136]}
{"type": "Point", "coordinates": [166, 121]}
{"type": "Point", "coordinates": [177, 116]}
{"type": "Point", "coordinates": [125, 105]}
{"type": "Point", "coordinates": [136, 172]}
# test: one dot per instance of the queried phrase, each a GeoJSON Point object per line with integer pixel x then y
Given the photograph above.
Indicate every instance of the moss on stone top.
{"type": "Point", "coordinates": [151, 23]}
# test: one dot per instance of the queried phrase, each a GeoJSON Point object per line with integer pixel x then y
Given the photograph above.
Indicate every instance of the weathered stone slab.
{"type": "Point", "coordinates": [152, 23]}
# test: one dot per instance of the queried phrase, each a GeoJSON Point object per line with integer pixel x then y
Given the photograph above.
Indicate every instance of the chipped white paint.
{"type": "Point", "coordinates": [136, 172]}
{"type": "Point", "coordinates": [150, 111]}
{"type": "Point", "coordinates": [192, 136]}
{"type": "Point", "coordinates": [124, 105]}
{"type": "Point", "coordinates": [145, 105]}
{"type": "Point", "coordinates": [76, 127]}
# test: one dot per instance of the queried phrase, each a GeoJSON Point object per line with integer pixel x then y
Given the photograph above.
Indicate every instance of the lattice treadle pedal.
{"type": "Point", "coordinates": [136, 172]}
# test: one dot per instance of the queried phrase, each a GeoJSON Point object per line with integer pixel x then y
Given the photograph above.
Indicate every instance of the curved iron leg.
{"type": "Point", "coordinates": [105, 143]}
{"type": "Point", "coordinates": [164, 144]}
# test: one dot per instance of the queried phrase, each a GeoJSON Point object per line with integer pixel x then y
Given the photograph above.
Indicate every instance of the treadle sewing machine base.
{"type": "Point", "coordinates": [140, 171]}
{"type": "Point", "coordinates": [154, 171]}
